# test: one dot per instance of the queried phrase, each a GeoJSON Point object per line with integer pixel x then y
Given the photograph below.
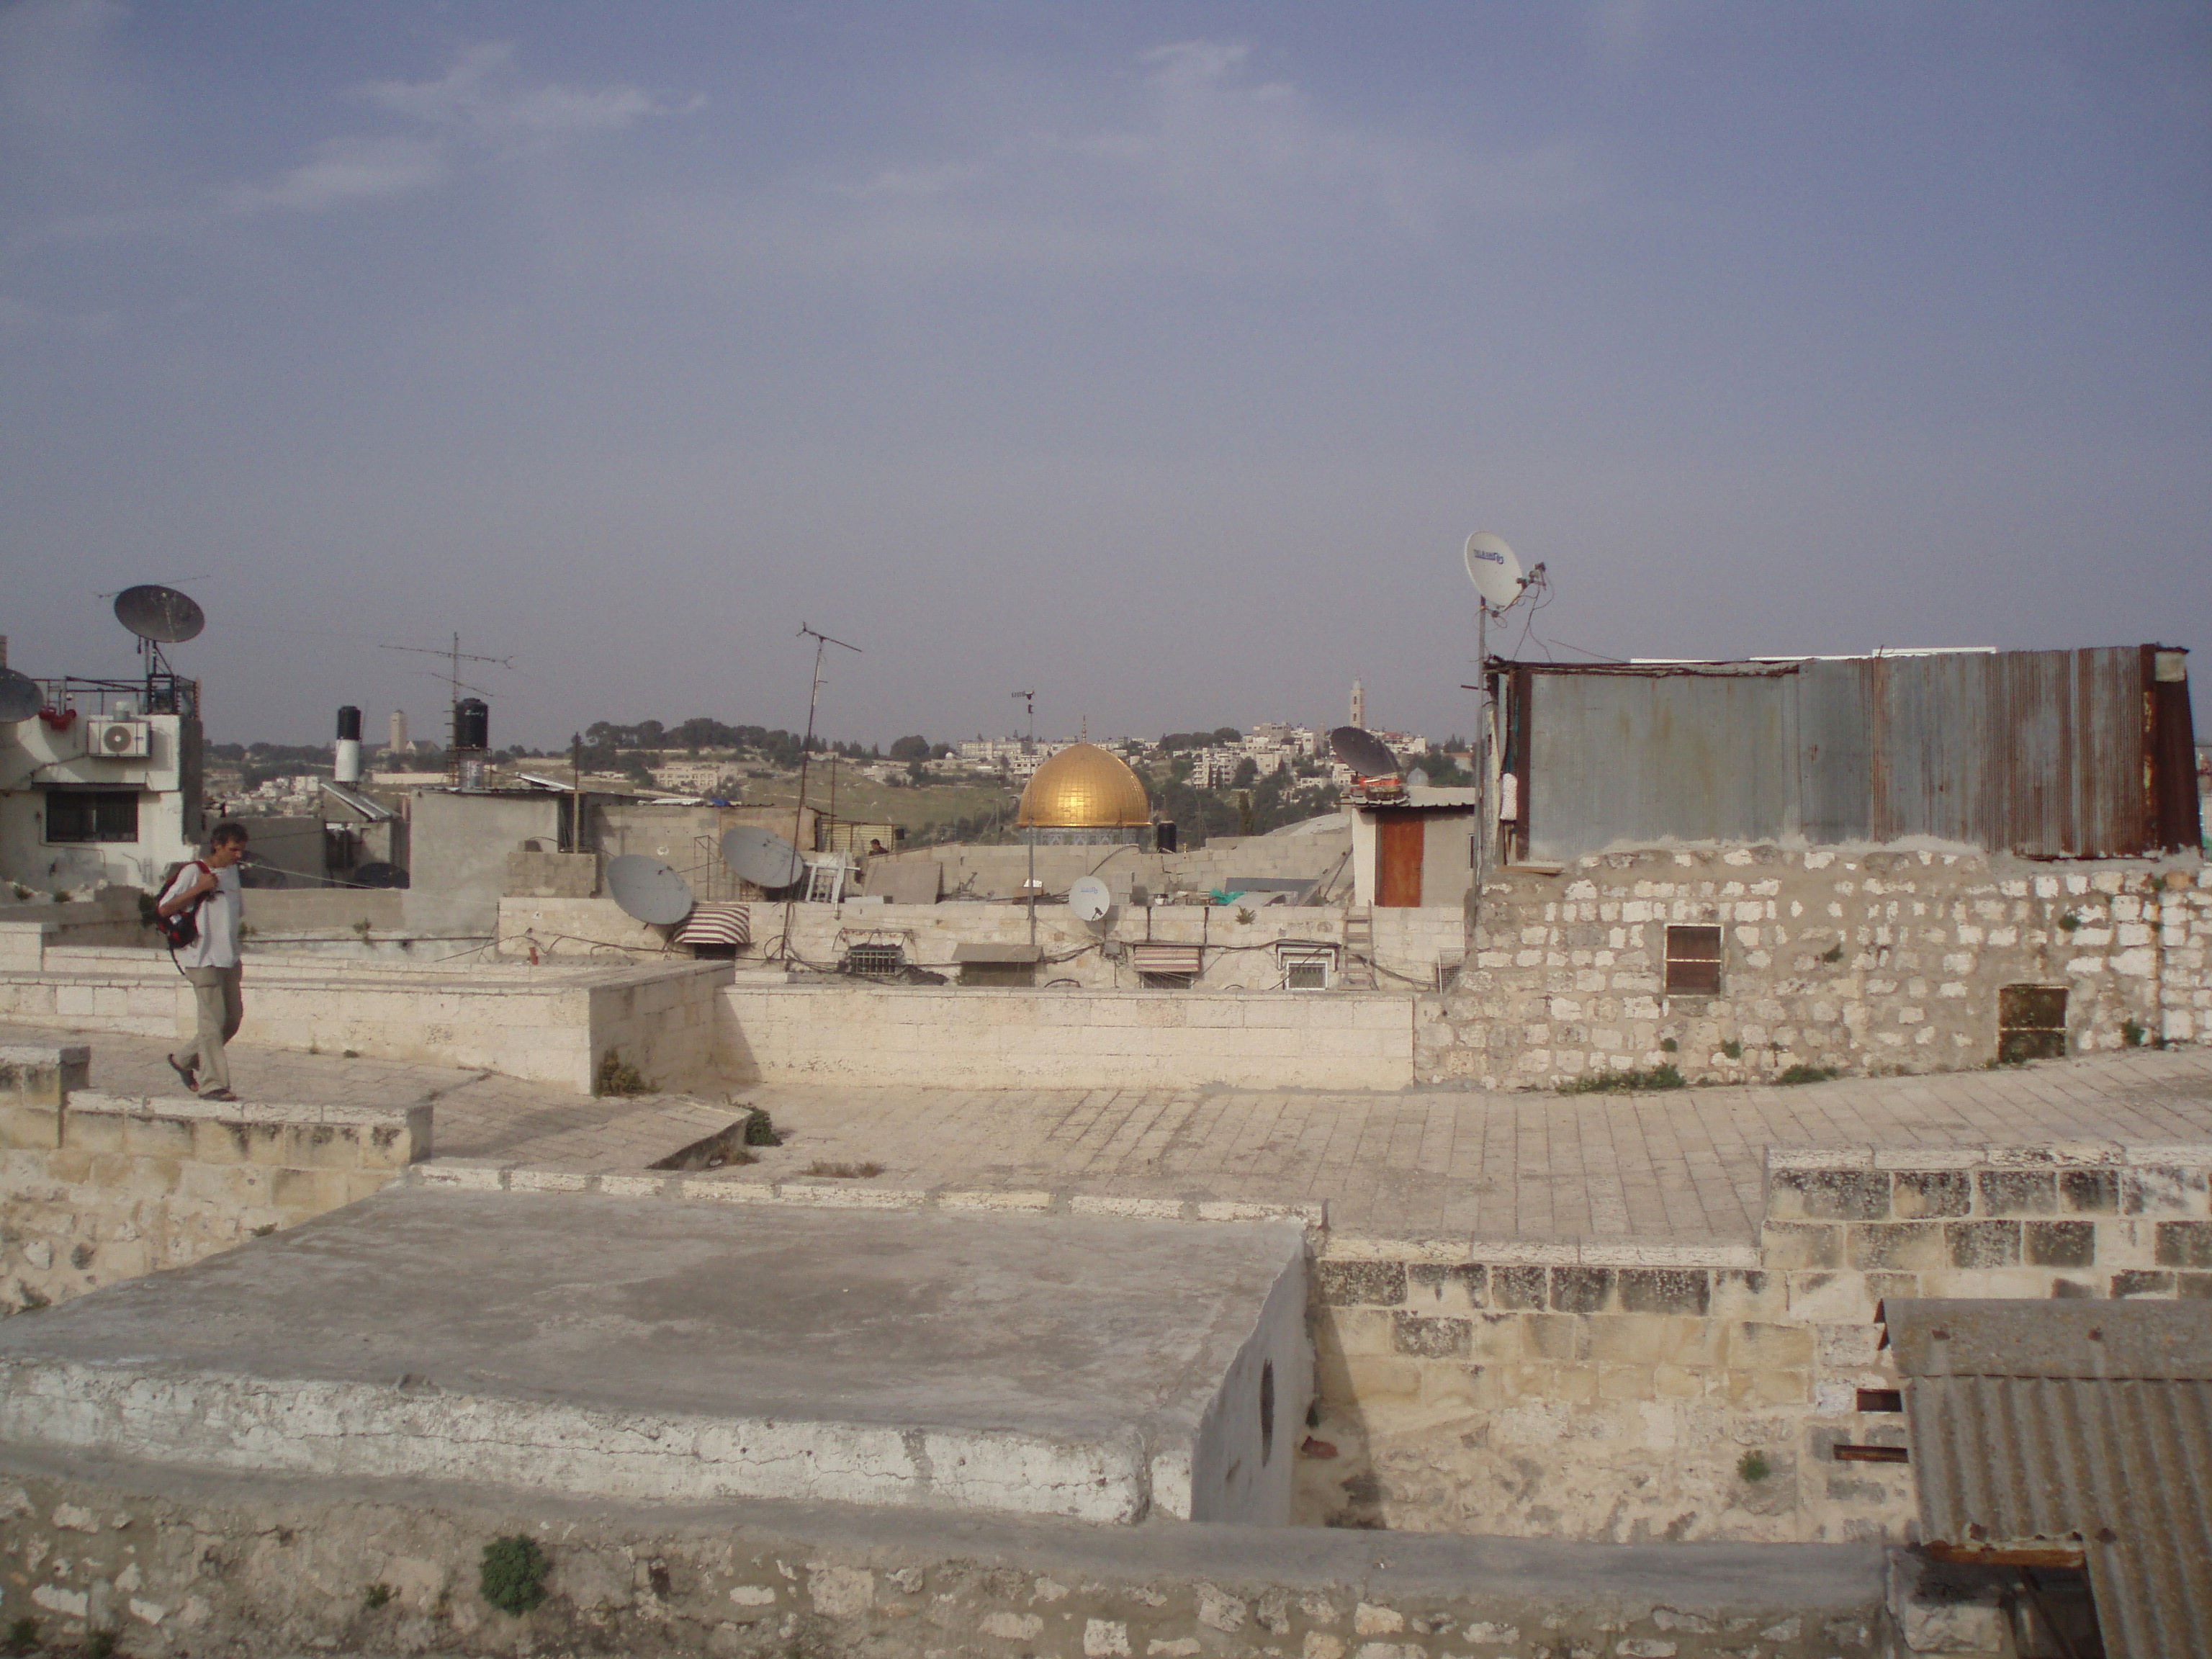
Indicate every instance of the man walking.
{"type": "Point", "coordinates": [209, 888]}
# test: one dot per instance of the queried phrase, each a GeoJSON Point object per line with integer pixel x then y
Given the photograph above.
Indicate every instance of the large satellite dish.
{"type": "Point", "coordinates": [762, 857]}
{"type": "Point", "coordinates": [1493, 568]}
{"type": "Point", "coordinates": [160, 614]}
{"type": "Point", "coordinates": [648, 890]}
{"type": "Point", "coordinates": [1089, 898]}
{"type": "Point", "coordinates": [1367, 755]}
{"type": "Point", "coordinates": [20, 697]}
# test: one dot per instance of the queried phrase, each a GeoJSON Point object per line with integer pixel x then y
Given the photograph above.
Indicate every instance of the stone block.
{"type": "Point", "coordinates": [1753, 1346]}
{"type": "Point", "coordinates": [2017, 1192]}
{"type": "Point", "coordinates": [1665, 1290]}
{"type": "Point", "coordinates": [30, 1127]}
{"type": "Point", "coordinates": [2141, 1282]}
{"type": "Point", "coordinates": [1920, 1194]}
{"type": "Point", "coordinates": [2184, 1244]}
{"type": "Point", "coordinates": [1907, 1246]}
{"type": "Point", "coordinates": [2090, 1192]}
{"type": "Point", "coordinates": [2060, 1244]}
{"type": "Point", "coordinates": [2163, 1190]}
{"type": "Point", "coordinates": [93, 1132]}
{"type": "Point", "coordinates": [1457, 1288]}
{"type": "Point", "coordinates": [1983, 1243]}
{"type": "Point", "coordinates": [1581, 1290]}
{"type": "Point", "coordinates": [1370, 1379]}
{"type": "Point", "coordinates": [1355, 1331]}
{"type": "Point", "coordinates": [1828, 1195]}
{"type": "Point", "coordinates": [1422, 1338]}
{"type": "Point", "coordinates": [1559, 1338]}
{"type": "Point", "coordinates": [1786, 1245]}
{"type": "Point", "coordinates": [1373, 1284]}
{"type": "Point", "coordinates": [1748, 1293]}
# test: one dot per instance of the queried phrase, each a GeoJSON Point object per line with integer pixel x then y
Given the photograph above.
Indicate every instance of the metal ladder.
{"type": "Point", "coordinates": [1359, 947]}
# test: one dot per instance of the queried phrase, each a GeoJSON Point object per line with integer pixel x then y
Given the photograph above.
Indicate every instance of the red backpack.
{"type": "Point", "coordinates": [181, 927]}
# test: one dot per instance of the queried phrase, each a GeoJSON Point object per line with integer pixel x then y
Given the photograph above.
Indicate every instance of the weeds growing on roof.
{"type": "Point", "coordinates": [1624, 1083]}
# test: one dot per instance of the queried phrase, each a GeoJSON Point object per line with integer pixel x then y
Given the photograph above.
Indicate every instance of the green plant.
{"type": "Point", "coordinates": [512, 1576]}
{"type": "Point", "coordinates": [265, 1230]}
{"type": "Point", "coordinates": [1834, 952]}
{"type": "Point", "coordinates": [1732, 1048]}
{"type": "Point", "coordinates": [375, 1596]}
{"type": "Point", "coordinates": [2068, 922]}
{"type": "Point", "coordinates": [352, 1054]}
{"type": "Point", "coordinates": [1667, 1045]}
{"type": "Point", "coordinates": [33, 1302]}
{"type": "Point", "coordinates": [23, 892]}
{"type": "Point", "coordinates": [1802, 1072]}
{"type": "Point", "coordinates": [22, 1633]}
{"type": "Point", "coordinates": [616, 1075]}
{"type": "Point", "coordinates": [99, 1643]}
{"type": "Point", "coordinates": [1620, 1083]}
{"type": "Point", "coordinates": [360, 928]}
{"type": "Point", "coordinates": [2132, 1033]}
{"type": "Point", "coordinates": [846, 1172]}
{"type": "Point", "coordinates": [760, 1131]}
{"type": "Point", "coordinates": [1754, 1467]}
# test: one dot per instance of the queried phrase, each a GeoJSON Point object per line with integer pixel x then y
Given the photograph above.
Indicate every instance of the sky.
{"type": "Point", "coordinates": [1158, 358]}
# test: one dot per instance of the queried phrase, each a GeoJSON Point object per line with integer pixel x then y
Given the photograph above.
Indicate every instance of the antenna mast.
{"type": "Point", "coordinates": [821, 643]}
{"type": "Point", "coordinates": [1028, 700]}
{"type": "Point", "coordinates": [454, 657]}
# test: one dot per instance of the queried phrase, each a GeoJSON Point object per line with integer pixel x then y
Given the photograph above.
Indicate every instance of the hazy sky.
{"type": "Point", "coordinates": [1158, 356]}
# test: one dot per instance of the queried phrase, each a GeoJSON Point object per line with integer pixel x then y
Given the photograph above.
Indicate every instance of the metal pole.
{"type": "Point", "coordinates": [822, 642]}
{"type": "Point", "coordinates": [1029, 699]}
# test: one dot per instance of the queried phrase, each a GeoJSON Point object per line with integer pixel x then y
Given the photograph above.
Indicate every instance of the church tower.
{"type": "Point", "coordinates": [1360, 705]}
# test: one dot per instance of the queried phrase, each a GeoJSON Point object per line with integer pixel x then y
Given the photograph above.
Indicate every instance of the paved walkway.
{"type": "Point", "coordinates": [1424, 1163]}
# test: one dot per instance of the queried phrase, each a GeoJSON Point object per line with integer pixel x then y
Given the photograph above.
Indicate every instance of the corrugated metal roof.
{"type": "Point", "coordinates": [2086, 1422]}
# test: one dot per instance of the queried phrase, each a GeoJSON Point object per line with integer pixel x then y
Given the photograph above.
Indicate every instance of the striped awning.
{"type": "Point", "coordinates": [717, 923]}
{"type": "Point", "coordinates": [1164, 958]}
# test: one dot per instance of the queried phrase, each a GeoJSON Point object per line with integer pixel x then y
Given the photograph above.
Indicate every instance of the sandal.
{"type": "Point", "coordinates": [189, 1073]}
{"type": "Point", "coordinates": [218, 1094]}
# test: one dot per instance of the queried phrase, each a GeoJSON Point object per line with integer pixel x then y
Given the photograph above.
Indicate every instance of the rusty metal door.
{"type": "Point", "coordinates": [1399, 840]}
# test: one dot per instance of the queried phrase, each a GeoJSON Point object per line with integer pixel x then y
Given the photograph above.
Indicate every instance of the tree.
{"type": "Point", "coordinates": [1247, 774]}
{"type": "Point", "coordinates": [1228, 734]}
{"type": "Point", "coordinates": [915, 748]}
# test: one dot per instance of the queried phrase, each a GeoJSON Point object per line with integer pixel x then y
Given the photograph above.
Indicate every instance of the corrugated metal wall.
{"type": "Point", "coordinates": [2037, 753]}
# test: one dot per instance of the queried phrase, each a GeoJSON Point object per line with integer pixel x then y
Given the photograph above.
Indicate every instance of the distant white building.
{"type": "Point", "coordinates": [101, 785]}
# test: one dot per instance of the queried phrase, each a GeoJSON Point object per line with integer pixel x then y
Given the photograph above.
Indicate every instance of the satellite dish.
{"type": "Point", "coordinates": [20, 697]}
{"type": "Point", "coordinates": [1417, 779]}
{"type": "Point", "coordinates": [1367, 755]}
{"type": "Point", "coordinates": [1089, 898]}
{"type": "Point", "coordinates": [762, 857]}
{"type": "Point", "coordinates": [647, 889]}
{"type": "Point", "coordinates": [160, 614]}
{"type": "Point", "coordinates": [1493, 568]}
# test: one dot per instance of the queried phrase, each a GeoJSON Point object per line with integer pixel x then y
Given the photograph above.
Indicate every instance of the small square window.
{"type": "Point", "coordinates": [876, 960]}
{"type": "Point", "coordinates": [92, 815]}
{"type": "Point", "coordinates": [1693, 962]}
{"type": "Point", "coordinates": [2030, 1022]}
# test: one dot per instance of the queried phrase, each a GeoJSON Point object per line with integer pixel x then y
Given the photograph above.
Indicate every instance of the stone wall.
{"type": "Point", "coordinates": [976, 1038]}
{"type": "Point", "coordinates": [173, 1562]}
{"type": "Point", "coordinates": [552, 1023]}
{"type": "Point", "coordinates": [100, 1188]}
{"type": "Point", "coordinates": [1832, 958]}
{"type": "Point", "coordinates": [1616, 1390]}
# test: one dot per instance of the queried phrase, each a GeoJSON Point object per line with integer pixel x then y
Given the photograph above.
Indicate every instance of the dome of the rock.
{"type": "Point", "coordinates": [1083, 787]}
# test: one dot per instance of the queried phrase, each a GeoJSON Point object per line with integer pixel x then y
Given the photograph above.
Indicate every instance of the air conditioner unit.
{"type": "Point", "coordinates": [117, 740]}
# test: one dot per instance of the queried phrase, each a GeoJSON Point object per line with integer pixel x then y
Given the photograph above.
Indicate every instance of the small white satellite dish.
{"type": "Point", "coordinates": [1417, 779]}
{"type": "Point", "coordinates": [648, 890]}
{"type": "Point", "coordinates": [1493, 568]}
{"type": "Point", "coordinates": [1089, 898]}
{"type": "Point", "coordinates": [762, 857]}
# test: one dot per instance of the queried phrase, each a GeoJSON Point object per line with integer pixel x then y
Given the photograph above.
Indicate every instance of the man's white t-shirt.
{"type": "Point", "coordinates": [218, 916]}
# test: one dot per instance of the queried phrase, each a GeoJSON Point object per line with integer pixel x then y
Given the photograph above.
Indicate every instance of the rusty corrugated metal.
{"type": "Point", "coordinates": [2076, 1422]}
{"type": "Point", "coordinates": [2049, 754]}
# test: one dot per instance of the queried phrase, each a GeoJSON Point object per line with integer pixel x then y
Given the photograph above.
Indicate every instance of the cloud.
{"type": "Point", "coordinates": [478, 95]}
{"type": "Point", "coordinates": [1209, 165]}
{"type": "Point", "coordinates": [477, 108]}
{"type": "Point", "coordinates": [343, 171]}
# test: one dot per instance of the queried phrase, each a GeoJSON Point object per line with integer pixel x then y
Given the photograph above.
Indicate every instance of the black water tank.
{"type": "Point", "coordinates": [348, 724]}
{"type": "Point", "coordinates": [471, 723]}
{"type": "Point", "coordinates": [1164, 837]}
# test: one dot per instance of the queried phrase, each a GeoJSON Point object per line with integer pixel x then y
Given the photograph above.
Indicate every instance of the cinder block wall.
{"type": "Point", "coordinates": [1615, 1391]}
{"type": "Point", "coordinates": [99, 1189]}
{"type": "Point", "coordinates": [1859, 961]}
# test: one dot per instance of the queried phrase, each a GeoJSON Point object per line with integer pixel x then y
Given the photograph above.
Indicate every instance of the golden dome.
{"type": "Point", "coordinates": [1083, 787]}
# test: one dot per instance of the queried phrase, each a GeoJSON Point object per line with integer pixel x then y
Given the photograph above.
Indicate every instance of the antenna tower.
{"type": "Point", "coordinates": [454, 685]}
{"type": "Point", "coordinates": [821, 643]}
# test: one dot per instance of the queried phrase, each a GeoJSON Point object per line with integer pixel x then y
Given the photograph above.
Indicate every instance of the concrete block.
{"type": "Point", "coordinates": [30, 1127]}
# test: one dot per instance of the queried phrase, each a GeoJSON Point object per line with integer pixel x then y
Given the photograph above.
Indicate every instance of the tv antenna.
{"type": "Point", "coordinates": [1495, 570]}
{"type": "Point", "coordinates": [1028, 700]}
{"type": "Point", "coordinates": [821, 644]}
{"type": "Point", "coordinates": [455, 685]}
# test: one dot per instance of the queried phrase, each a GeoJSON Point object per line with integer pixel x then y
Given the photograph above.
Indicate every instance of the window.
{"type": "Point", "coordinates": [876, 960]}
{"type": "Point", "coordinates": [92, 815]}
{"type": "Point", "coordinates": [1307, 967]}
{"type": "Point", "coordinates": [2030, 1022]}
{"type": "Point", "coordinates": [1002, 973]}
{"type": "Point", "coordinates": [1165, 966]}
{"type": "Point", "coordinates": [1693, 962]}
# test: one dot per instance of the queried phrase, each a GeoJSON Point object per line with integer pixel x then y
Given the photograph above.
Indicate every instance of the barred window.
{"type": "Point", "coordinates": [82, 815]}
{"type": "Point", "coordinates": [1693, 962]}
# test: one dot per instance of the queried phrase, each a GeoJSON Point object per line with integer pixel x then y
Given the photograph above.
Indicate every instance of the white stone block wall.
{"type": "Point", "coordinates": [1835, 958]}
{"type": "Point", "coordinates": [976, 1038]}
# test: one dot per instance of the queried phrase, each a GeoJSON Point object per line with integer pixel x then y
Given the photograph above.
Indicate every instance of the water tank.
{"type": "Point", "coordinates": [471, 723]}
{"type": "Point", "coordinates": [1163, 837]}
{"type": "Point", "coordinates": [349, 724]}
